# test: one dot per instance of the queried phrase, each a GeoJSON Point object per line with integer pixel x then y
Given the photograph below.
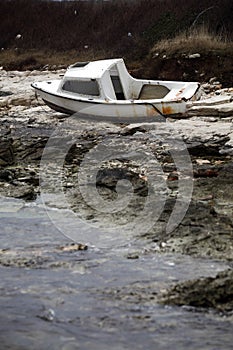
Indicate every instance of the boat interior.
{"type": "Point", "coordinates": [126, 87]}
{"type": "Point", "coordinates": [110, 80]}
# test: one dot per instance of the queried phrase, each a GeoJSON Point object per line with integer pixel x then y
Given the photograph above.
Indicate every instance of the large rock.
{"type": "Point", "coordinates": [211, 292]}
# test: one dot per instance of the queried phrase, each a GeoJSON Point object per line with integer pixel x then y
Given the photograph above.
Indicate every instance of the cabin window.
{"type": "Point", "coordinates": [117, 87]}
{"type": "Point", "coordinates": [84, 87]}
{"type": "Point", "coordinates": [149, 92]}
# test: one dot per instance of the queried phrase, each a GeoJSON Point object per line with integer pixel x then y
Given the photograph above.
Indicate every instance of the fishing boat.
{"type": "Point", "coordinates": [104, 89]}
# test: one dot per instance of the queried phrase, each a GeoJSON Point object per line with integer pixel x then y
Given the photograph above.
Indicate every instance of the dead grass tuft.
{"type": "Point", "coordinates": [199, 40]}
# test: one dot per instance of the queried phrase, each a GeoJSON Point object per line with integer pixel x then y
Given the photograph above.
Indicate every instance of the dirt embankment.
{"type": "Point", "coordinates": [191, 67]}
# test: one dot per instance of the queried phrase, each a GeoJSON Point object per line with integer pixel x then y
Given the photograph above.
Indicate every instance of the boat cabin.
{"type": "Point", "coordinates": [109, 80]}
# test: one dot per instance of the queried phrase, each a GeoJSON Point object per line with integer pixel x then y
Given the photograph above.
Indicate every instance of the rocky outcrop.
{"type": "Point", "coordinates": [211, 292]}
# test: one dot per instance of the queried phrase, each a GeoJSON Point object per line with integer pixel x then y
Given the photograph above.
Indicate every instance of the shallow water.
{"type": "Point", "coordinates": [95, 299]}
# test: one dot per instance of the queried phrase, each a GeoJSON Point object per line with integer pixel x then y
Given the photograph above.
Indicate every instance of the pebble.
{"type": "Point", "coordinates": [47, 315]}
{"type": "Point", "coordinates": [73, 247]}
{"type": "Point", "coordinates": [194, 55]}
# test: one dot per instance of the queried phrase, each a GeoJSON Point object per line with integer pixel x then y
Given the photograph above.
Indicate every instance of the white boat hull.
{"type": "Point", "coordinates": [126, 109]}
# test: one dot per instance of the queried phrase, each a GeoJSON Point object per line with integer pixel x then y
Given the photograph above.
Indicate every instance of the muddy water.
{"type": "Point", "coordinates": [100, 298]}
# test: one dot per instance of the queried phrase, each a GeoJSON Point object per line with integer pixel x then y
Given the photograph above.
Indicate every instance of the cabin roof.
{"type": "Point", "coordinates": [91, 70]}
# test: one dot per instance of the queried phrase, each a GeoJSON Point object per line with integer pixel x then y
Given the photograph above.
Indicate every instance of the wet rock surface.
{"type": "Point", "coordinates": [216, 293]}
{"type": "Point", "coordinates": [42, 257]}
{"type": "Point", "coordinates": [205, 231]}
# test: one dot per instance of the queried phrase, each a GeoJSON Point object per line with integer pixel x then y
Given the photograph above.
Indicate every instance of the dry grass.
{"type": "Point", "coordinates": [38, 59]}
{"type": "Point", "coordinates": [200, 40]}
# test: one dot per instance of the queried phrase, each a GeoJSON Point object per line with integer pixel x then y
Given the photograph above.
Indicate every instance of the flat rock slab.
{"type": "Point", "coordinates": [214, 100]}
{"type": "Point", "coordinates": [213, 110]}
{"type": "Point", "coordinates": [217, 105]}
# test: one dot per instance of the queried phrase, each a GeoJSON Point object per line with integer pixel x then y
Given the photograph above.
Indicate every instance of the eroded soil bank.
{"type": "Point", "coordinates": [205, 135]}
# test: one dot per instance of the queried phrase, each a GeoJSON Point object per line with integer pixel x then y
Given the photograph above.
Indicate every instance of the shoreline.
{"type": "Point", "coordinates": [207, 228]}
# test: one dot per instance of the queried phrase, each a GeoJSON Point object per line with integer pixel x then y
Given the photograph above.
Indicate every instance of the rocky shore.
{"type": "Point", "coordinates": [206, 130]}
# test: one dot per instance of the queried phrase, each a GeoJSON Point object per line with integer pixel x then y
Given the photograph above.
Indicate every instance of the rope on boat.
{"type": "Point", "coordinates": [155, 108]}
